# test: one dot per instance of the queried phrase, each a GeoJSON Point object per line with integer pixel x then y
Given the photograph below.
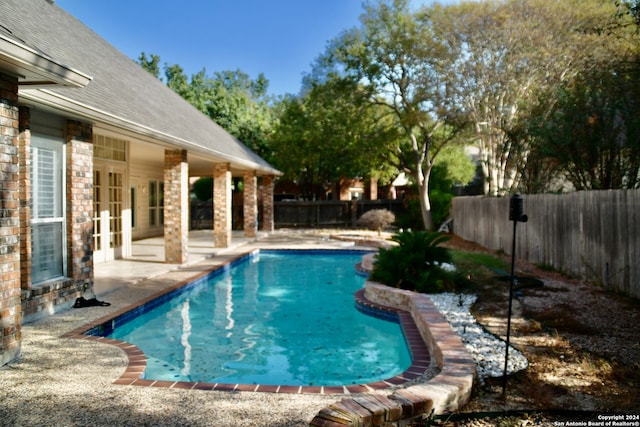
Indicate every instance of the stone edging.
{"type": "Point", "coordinates": [446, 392]}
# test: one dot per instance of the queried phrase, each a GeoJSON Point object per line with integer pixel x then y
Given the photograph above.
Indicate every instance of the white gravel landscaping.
{"type": "Point", "coordinates": [487, 350]}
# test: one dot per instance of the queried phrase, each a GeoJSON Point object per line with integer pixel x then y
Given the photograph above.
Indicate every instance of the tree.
{"type": "Point", "coordinates": [586, 128]}
{"type": "Point", "coordinates": [328, 133]}
{"type": "Point", "coordinates": [230, 98]}
{"type": "Point", "coordinates": [452, 170]}
{"type": "Point", "coordinates": [241, 106]}
{"type": "Point", "coordinates": [151, 64]}
{"type": "Point", "coordinates": [227, 98]}
{"type": "Point", "coordinates": [177, 81]}
{"type": "Point", "coordinates": [593, 132]}
{"type": "Point", "coordinates": [505, 55]}
{"type": "Point", "coordinates": [395, 58]}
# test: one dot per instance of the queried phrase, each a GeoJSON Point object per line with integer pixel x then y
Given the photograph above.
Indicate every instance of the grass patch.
{"type": "Point", "coordinates": [473, 272]}
{"type": "Point", "coordinates": [476, 262]}
{"type": "Point", "coordinates": [546, 267]}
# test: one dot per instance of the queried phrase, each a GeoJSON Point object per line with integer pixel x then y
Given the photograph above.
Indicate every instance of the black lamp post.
{"type": "Point", "coordinates": [516, 208]}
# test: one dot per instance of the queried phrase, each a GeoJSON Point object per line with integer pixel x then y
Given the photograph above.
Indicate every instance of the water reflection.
{"type": "Point", "coordinates": [184, 340]}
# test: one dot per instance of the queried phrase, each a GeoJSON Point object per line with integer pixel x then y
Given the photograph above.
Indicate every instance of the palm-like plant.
{"type": "Point", "coordinates": [415, 263]}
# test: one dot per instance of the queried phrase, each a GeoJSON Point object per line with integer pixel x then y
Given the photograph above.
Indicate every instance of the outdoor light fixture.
{"type": "Point", "coordinates": [516, 209]}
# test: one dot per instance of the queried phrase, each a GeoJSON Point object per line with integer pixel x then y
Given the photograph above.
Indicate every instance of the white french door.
{"type": "Point", "coordinates": [108, 208]}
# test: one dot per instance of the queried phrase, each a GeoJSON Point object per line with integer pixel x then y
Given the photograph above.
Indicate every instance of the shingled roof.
{"type": "Point", "coordinates": [120, 93]}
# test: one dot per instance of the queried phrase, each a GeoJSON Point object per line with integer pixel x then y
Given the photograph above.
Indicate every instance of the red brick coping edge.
{"type": "Point", "coordinates": [446, 392]}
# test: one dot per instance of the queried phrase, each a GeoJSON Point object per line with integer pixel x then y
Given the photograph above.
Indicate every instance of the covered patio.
{"type": "Point", "coordinates": [148, 260]}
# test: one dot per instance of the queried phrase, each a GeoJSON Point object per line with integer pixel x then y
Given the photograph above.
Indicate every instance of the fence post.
{"type": "Point", "coordinates": [354, 212]}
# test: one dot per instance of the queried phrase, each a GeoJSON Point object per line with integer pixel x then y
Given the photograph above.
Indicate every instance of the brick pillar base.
{"type": "Point", "coordinates": [176, 206]}
{"type": "Point", "coordinates": [267, 204]}
{"type": "Point", "coordinates": [10, 304]}
{"type": "Point", "coordinates": [222, 205]}
{"type": "Point", "coordinates": [250, 204]}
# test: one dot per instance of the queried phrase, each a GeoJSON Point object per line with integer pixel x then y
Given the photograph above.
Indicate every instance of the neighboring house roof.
{"type": "Point", "coordinates": [120, 93]}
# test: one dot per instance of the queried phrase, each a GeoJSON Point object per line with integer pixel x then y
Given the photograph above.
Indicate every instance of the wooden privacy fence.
{"type": "Point", "coordinates": [594, 235]}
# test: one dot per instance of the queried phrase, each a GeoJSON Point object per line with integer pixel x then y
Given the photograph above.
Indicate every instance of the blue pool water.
{"type": "Point", "coordinates": [280, 318]}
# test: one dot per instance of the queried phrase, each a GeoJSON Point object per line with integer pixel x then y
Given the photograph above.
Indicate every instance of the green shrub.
{"type": "Point", "coordinates": [203, 188]}
{"type": "Point", "coordinates": [440, 206]}
{"type": "Point", "coordinates": [415, 264]}
{"type": "Point", "coordinates": [411, 217]}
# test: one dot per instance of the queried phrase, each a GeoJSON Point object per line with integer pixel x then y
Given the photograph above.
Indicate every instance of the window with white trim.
{"type": "Point", "coordinates": [47, 208]}
{"type": "Point", "coordinates": [108, 148]}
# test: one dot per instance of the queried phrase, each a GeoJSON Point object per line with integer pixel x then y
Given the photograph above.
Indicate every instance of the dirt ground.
{"type": "Point", "coordinates": [583, 347]}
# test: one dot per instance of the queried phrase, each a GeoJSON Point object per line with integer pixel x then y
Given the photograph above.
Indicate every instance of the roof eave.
{"type": "Point", "coordinates": [37, 69]}
{"type": "Point", "coordinates": [55, 100]}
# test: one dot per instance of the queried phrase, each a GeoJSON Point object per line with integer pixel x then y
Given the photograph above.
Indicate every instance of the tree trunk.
{"type": "Point", "coordinates": [425, 203]}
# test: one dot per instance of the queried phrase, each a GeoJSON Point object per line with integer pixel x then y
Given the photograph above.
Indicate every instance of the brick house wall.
{"type": "Point", "coordinates": [41, 300]}
{"type": "Point", "coordinates": [24, 156]}
{"type": "Point", "coordinates": [10, 307]}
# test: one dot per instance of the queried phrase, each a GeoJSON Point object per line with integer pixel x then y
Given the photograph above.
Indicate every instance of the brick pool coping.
{"type": "Point", "coordinates": [137, 361]}
{"type": "Point", "coordinates": [449, 390]}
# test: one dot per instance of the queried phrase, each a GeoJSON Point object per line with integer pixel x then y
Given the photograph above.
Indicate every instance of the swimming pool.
{"type": "Point", "coordinates": [285, 318]}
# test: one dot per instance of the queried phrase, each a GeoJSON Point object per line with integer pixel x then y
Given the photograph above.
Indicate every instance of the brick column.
{"type": "Point", "coordinates": [176, 206]}
{"type": "Point", "coordinates": [24, 154]}
{"type": "Point", "coordinates": [267, 203]}
{"type": "Point", "coordinates": [373, 189]}
{"type": "Point", "coordinates": [221, 205]}
{"type": "Point", "coordinates": [79, 201]}
{"type": "Point", "coordinates": [250, 203]}
{"type": "Point", "coordinates": [344, 187]}
{"type": "Point", "coordinates": [10, 304]}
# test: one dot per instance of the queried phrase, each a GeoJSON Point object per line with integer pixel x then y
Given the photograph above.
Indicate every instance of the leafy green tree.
{"type": "Point", "coordinates": [327, 134]}
{"type": "Point", "coordinates": [593, 132]}
{"type": "Point", "coordinates": [396, 59]}
{"type": "Point", "coordinates": [505, 53]}
{"type": "Point", "coordinates": [187, 88]}
{"type": "Point", "coordinates": [241, 106]}
{"type": "Point", "coordinates": [453, 170]}
{"type": "Point", "coordinates": [232, 99]}
{"type": "Point", "coordinates": [151, 64]}
{"type": "Point", "coordinates": [585, 128]}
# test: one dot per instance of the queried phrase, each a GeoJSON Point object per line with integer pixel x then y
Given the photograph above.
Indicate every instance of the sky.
{"type": "Point", "coordinates": [279, 38]}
